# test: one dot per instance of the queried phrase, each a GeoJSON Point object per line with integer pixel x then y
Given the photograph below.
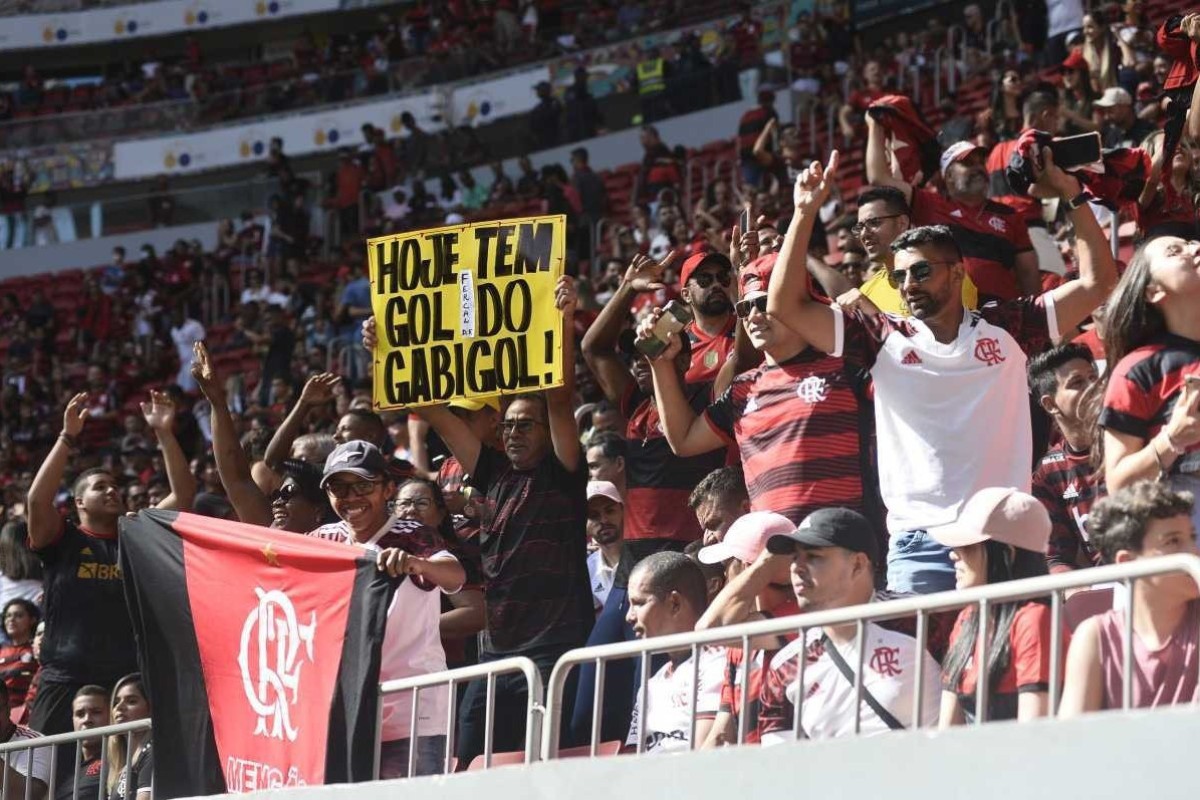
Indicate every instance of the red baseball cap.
{"type": "Point", "coordinates": [1075, 60]}
{"type": "Point", "coordinates": [696, 260]}
{"type": "Point", "coordinates": [756, 276]}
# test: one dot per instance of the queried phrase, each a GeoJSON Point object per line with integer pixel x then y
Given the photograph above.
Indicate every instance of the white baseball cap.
{"type": "Point", "coordinates": [957, 152]}
{"type": "Point", "coordinates": [604, 489]}
{"type": "Point", "coordinates": [1113, 96]}
{"type": "Point", "coordinates": [746, 538]}
{"type": "Point", "coordinates": [1000, 513]}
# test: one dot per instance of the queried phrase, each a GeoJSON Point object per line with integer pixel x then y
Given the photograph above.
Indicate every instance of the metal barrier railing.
{"type": "Point", "coordinates": [27, 746]}
{"type": "Point", "coordinates": [452, 679]}
{"type": "Point", "coordinates": [920, 606]}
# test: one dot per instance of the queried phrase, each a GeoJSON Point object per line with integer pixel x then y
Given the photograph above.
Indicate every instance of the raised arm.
{"type": "Point", "coordinates": [879, 168]}
{"type": "Point", "coordinates": [788, 297]}
{"type": "Point", "coordinates": [564, 432]}
{"type": "Point", "coordinates": [464, 445]}
{"type": "Point", "coordinates": [685, 431]}
{"type": "Point", "coordinates": [160, 416]}
{"type": "Point", "coordinates": [44, 520]}
{"type": "Point", "coordinates": [600, 342]}
{"type": "Point", "coordinates": [317, 391]}
{"type": "Point", "coordinates": [738, 601]}
{"type": "Point", "coordinates": [1075, 300]}
{"type": "Point", "coordinates": [250, 503]}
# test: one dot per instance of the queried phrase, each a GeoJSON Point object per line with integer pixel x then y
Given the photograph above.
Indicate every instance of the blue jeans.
{"type": "Point", "coordinates": [917, 564]}
{"type": "Point", "coordinates": [431, 757]}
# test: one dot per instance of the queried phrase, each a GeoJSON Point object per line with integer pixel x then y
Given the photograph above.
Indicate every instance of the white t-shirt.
{"type": "Point", "coordinates": [953, 418]}
{"type": "Point", "coordinates": [889, 669]}
{"type": "Point", "coordinates": [30, 590]}
{"type": "Point", "coordinates": [19, 761]}
{"type": "Point", "coordinates": [669, 693]}
{"type": "Point", "coordinates": [601, 576]}
{"type": "Point", "coordinates": [1064, 16]}
{"type": "Point", "coordinates": [412, 645]}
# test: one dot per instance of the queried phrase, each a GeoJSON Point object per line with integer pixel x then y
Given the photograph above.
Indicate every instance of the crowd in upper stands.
{"type": "Point", "coordinates": [785, 394]}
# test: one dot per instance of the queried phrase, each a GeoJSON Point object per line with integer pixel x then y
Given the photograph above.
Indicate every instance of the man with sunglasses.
{"type": "Point", "coordinates": [951, 400]}
{"type": "Point", "coordinates": [658, 482]}
{"type": "Point", "coordinates": [993, 238]}
{"type": "Point", "coordinates": [361, 491]}
{"type": "Point", "coordinates": [798, 419]}
{"type": "Point", "coordinates": [705, 282]}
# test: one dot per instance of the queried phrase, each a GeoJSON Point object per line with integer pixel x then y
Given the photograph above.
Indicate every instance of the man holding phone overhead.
{"type": "Point", "coordinates": [993, 238]}
{"type": "Point", "coordinates": [950, 398]}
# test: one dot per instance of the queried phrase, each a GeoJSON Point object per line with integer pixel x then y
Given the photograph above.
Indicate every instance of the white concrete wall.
{"type": "Point", "coordinates": [1128, 756]}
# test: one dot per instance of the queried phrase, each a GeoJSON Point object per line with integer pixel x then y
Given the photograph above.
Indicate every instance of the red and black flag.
{"type": "Point", "coordinates": [260, 652]}
{"type": "Point", "coordinates": [914, 142]}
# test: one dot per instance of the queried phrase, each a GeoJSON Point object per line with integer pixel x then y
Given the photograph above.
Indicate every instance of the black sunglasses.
{"type": "Point", "coordinates": [523, 426]}
{"type": "Point", "coordinates": [871, 224]}
{"type": "Point", "coordinates": [744, 308]}
{"type": "Point", "coordinates": [920, 271]}
{"type": "Point", "coordinates": [284, 494]}
{"type": "Point", "coordinates": [705, 279]}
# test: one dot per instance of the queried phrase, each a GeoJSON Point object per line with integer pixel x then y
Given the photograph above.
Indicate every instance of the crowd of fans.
{"type": "Point", "coordinates": [942, 382]}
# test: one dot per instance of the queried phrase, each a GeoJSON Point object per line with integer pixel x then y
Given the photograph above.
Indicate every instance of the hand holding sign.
{"type": "Point", "coordinates": [468, 311]}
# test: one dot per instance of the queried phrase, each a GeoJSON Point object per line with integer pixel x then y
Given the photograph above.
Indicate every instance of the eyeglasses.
{"type": "Point", "coordinates": [871, 224]}
{"type": "Point", "coordinates": [416, 503]}
{"type": "Point", "coordinates": [705, 279]}
{"type": "Point", "coordinates": [744, 308]}
{"type": "Point", "coordinates": [343, 490]}
{"type": "Point", "coordinates": [523, 426]}
{"type": "Point", "coordinates": [919, 271]}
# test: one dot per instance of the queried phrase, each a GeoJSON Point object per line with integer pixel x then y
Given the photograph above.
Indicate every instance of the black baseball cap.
{"type": "Point", "coordinates": [830, 527]}
{"type": "Point", "coordinates": [357, 457]}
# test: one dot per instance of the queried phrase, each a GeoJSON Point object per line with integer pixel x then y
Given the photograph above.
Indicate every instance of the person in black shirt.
{"type": "Point", "coordinates": [532, 538]}
{"type": "Point", "coordinates": [129, 704]}
{"type": "Point", "coordinates": [89, 639]}
{"type": "Point", "coordinates": [89, 710]}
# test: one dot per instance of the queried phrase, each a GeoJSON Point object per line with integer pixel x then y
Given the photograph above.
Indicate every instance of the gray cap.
{"type": "Point", "coordinates": [357, 457]}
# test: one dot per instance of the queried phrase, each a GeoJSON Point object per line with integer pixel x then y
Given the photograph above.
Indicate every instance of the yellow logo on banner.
{"type": "Point", "coordinates": [467, 311]}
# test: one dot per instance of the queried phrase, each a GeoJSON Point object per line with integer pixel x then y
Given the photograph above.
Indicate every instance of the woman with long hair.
{"type": "Point", "coordinates": [1000, 535]}
{"type": "Point", "coordinates": [17, 660]}
{"type": "Point", "coordinates": [1101, 52]}
{"type": "Point", "coordinates": [1166, 205]}
{"type": "Point", "coordinates": [1006, 117]}
{"type": "Point", "coordinates": [1151, 414]}
{"type": "Point", "coordinates": [129, 704]}
{"type": "Point", "coordinates": [20, 569]}
{"type": "Point", "coordinates": [1076, 96]}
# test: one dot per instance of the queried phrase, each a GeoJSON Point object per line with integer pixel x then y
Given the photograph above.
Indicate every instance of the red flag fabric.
{"type": "Point", "coordinates": [916, 146]}
{"type": "Point", "coordinates": [260, 651]}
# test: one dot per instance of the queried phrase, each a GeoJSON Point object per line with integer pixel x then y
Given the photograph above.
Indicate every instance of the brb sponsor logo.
{"type": "Point", "coordinates": [274, 648]}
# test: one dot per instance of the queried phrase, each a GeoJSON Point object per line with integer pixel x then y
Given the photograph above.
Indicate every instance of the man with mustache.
{"type": "Point", "coordinates": [951, 399]}
{"type": "Point", "coordinates": [605, 527]}
{"type": "Point", "coordinates": [658, 482]}
{"type": "Point", "coordinates": [993, 238]}
{"type": "Point", "coordinates": [705, 282]}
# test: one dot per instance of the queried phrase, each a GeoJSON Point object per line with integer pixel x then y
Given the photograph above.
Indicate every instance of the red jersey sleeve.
{"type": "Point", "coordinates": [1030, 640]}
{"type": "Point", "coordinates": [1128, 406]}
{"type": "Point", "coordinates": [858, 337]}
{"type": "Point", "coordinates": [1030, 320]}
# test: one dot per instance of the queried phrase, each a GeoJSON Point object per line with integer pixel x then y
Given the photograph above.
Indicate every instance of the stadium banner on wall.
{"type": "Point", "coordinates": [139, 20]}
{"type": "Point", "coordinates": [467, 311]}
{"type": "Point", "coordinates": [260, 651]}
{"type": "Point", "coordinates": [234, 145]}
{"type": "Point", "coordinates": [484, 102]}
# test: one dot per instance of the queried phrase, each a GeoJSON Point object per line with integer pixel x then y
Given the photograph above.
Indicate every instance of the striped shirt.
{"type": "Point", "coordinates": [803, 427]}
{"type": "Point", "coordinates": [1144, 387]}
{"type": "Point", "coordinates": [17, 666]}
{"type": "Point", "coordinates": [990, 238]}
{"type": "Point", "coordinates": [1068, 486]}
{"type": "Point", "coordinates": [20, 760]}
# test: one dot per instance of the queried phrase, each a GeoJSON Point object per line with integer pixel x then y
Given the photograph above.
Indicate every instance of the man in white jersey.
{"type": "Point", "coordinates": [22, 767]}
{"type": "Point", "coordinates": [667, 595]}
{"type": "Point", "coordinates": [360, 491]}
{"type": "Point", "coordinates": [951, 400]}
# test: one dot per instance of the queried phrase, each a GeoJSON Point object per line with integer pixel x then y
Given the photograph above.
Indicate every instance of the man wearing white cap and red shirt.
{"type": "Point", "coordinates": [605, 527]}
{"type": "Point", "coordinates": [1000, 535]}
{"type": "Point", "coordinates": [758, 587]}
{"type": "Point", "coordinates": [1122, 126]}
{"type": "Point", "coordinates": [993, 237]}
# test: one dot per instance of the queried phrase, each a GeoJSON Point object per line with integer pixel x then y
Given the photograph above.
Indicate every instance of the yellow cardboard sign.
{"type": "Point", "coordinates": [467, 311]}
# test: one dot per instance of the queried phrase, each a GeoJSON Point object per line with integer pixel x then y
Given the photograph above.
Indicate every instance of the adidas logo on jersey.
{"type": "Point", "coordinates": [911, 359]}
{"type": "Point", "coordinates": [956, 212]}
{"type": "Point", "coordinates": [1071, 492]}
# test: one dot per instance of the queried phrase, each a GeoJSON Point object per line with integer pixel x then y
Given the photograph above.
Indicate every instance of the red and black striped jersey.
{"type": "Point", "coordinates": [804, 429]}
{"type": "Point", "coordinates": [1068, 486]}
{"type": "Point", "coordinates": [658, 482]}
{"type": "Point", "coordinates": [990, 238]}
{"type": "Point", "coordinates": [1144, 387]}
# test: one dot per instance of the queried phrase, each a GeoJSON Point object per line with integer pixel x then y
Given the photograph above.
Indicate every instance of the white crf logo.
{"type": "Point", "coordinates": [812, 389]}
{"type": "Point", "coordinates": [271, 640]}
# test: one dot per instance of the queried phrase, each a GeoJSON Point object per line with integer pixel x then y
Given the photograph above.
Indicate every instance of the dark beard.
{"type": "Point", "coordinates": [715, 305]}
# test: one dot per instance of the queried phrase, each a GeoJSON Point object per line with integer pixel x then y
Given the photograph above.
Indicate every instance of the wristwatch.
{"type": "Point", "coordinates": [1081, 199]}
